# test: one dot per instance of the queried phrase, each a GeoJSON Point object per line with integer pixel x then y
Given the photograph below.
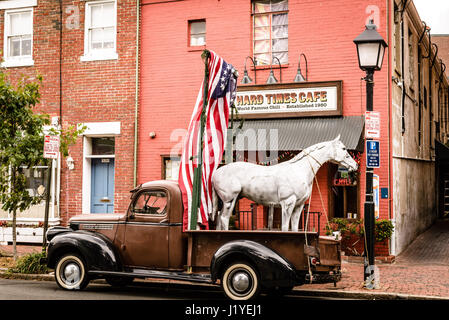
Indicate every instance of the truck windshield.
{"type": "Point", "coordinates": [151, 202]}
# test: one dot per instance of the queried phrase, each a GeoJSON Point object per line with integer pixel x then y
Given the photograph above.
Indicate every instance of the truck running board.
{"type": "Point", "coordinates": [142, 273]}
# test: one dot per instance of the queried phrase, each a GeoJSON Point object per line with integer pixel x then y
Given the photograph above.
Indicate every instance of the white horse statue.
{"type": "Point", "coordinates": [287, 184]}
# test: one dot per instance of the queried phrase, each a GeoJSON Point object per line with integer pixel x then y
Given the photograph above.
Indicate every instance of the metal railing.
{"type": "Point", "coordinates": [247, 220]}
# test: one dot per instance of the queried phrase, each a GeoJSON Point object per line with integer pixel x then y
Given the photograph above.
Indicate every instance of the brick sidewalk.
{"type": "Point", "coordinates": [421, 270]}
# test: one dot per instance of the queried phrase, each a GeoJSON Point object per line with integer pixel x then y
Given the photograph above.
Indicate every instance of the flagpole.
{"type": "Point", "coordinates": [196, 192]}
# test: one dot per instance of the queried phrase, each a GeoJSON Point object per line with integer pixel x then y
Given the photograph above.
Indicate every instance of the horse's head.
{"type": "Point", "coordinates": [341, 155]}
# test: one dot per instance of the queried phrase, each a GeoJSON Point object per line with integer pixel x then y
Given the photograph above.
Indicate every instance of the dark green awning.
{"type": "Point", "coordinates": [297, 134]}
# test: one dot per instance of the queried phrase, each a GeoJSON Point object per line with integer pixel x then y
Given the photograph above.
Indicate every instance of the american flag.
{"type": "Point", "coordinates": [221, 94]}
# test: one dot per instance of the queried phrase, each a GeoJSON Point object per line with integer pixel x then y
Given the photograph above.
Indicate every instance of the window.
{"type": "Point", "coordinates": [151, 202]}
{"type": "Point", "coordinates": [171, 168]}
{"type": "Point", "coordinates": [270, 31]}
{"type": "Point", "coordinates": [18, 44]}
{"type": "Point", "coordinates": [36, 180]}
{"type": "Point", "coordinates": [103, 146]}
{"type": "Point", "coordinates": [197, 33]}
{"type": "Point", "coordinates": [100, 31]}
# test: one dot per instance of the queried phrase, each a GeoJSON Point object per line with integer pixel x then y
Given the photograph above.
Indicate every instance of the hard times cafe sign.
{"type": "Point", "coordinates": [290, 100]}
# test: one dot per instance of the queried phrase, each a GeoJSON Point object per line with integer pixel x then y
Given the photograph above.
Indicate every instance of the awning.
{"type": "Point", "coordinates": [297, 134]}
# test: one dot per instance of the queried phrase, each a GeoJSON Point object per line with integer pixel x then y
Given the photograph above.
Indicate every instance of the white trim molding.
{"type": "Point", "coordinates": [99, 54]}
{"type": "Point", "coordinates": [93, 130]}
{"type": "Point", "coordinates": [16, 61]}
{"type": "Point", "coordinates": [101, 129]}
{"type": "Point", "coordinates": [15, 4]}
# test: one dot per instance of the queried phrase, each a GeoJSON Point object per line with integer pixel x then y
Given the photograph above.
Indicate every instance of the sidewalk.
{"type": "Point", "coordinates": [420, 272]}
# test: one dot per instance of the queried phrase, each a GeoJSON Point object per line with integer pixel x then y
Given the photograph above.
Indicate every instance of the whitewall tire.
{"type": "Point", "coordinates": [71, 272]}
{"type": "Point", "coordinates": [240, 281]}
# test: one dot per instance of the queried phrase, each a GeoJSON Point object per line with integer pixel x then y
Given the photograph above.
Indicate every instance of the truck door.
{"type": "Point", "coordinates": [146, 233]}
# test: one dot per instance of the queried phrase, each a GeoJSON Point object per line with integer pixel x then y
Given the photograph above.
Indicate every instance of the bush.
{"type": "Point", "coordinates": [30, 263]}
{"type": "Point", "coordinates": [383, 228]}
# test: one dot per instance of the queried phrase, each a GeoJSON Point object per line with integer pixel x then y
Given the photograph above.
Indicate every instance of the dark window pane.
{"type": "Point", "coordinates": [103, 146]}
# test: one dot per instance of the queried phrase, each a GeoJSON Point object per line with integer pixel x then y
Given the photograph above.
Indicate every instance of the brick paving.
{"type": "Point", "coordinates": [421, 270]}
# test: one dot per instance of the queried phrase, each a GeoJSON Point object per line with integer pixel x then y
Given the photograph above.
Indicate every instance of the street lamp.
{"type": "Point", "coordinates": [370, 51]}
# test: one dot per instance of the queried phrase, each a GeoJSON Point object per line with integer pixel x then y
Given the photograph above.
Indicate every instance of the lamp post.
{"type": "Point", "coordinates": [370, 51]}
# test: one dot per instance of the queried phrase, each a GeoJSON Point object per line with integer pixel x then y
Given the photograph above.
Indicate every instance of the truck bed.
{"type": "Point", "coordinates": [203, 244]}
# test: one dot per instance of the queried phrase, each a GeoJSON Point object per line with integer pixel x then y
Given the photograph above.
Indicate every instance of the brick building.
{"type": "Point", "coordinates": [279, 35]}
{"type": "Point", "coordinates": [86, 54]}
{"type": "Point", "coordinates": [87, 51]}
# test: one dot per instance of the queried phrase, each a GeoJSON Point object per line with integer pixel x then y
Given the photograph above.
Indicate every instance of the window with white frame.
{"type": "Point", "coordinates": [270, 31]}
{"type": "Point", "coordinates": [100, 35]}
{"type": "Point", "coordinates": [18, 43]}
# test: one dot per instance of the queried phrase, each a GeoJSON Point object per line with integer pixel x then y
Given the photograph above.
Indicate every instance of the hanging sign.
{"type": "Point", "coordinates": [51, 147]}
{"type": "Point", "coordinates": [372, 125]}
{"type": "Point", "coordinates": [343, 178]}
{"type": "Point", "coordinates": [289, 100]}
{"type": "Point", "coordinates": [372, 154]}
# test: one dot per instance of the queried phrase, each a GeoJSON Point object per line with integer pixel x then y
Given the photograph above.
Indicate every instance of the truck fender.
{"type": "Point", "coordinates": [97, 250]}
{"type": "Point", "coordinates": [273, 269]}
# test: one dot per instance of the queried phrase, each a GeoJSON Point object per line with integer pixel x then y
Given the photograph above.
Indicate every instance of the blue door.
{"type": "Point", "coordinates": [102, 188]}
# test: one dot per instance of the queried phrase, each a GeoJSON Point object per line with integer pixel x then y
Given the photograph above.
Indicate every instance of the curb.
{"type": "Point", "coordinates": [342, 294]}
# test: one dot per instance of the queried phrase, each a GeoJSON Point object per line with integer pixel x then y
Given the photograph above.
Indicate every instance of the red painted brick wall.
{"type": "Point", "coordinates": [171, 73]}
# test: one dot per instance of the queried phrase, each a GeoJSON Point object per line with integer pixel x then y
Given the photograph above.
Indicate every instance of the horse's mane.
{"type": "Point", "coordinates": [306, 151]}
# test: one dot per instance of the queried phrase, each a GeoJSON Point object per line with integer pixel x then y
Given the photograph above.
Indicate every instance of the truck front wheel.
{"type": "Point", "coordinates": [71, 272]}
{"type": "Point", "coordinates": [240, 281]}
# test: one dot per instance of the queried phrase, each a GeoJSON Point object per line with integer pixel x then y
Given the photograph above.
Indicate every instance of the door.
{"type": "Point", "coordinates": [102, 189]}
{"type": "Point", "coordinates": [146, 236]}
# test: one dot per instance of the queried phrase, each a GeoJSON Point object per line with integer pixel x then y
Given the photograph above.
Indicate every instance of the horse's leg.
{"type": "Point", "coordinates": [270, 217]}
{"type": "Point", "coordinates": [296, 216]}
{"type": "Point", "coordinates": [223, 220]}
{"type": "Point", "coordinates": [287, 206]}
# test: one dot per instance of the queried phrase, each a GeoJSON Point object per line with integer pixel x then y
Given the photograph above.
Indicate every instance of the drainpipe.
{"type": "Point", "coordinates": [404, 6]}
{"type": "Point", "coordinates": [420, 100]}
{"type": "Point", "coordinates": [136, 103]}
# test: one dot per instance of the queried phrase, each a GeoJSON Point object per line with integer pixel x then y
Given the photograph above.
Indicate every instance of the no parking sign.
{"type": "Point", "coordinates": [372, 154]}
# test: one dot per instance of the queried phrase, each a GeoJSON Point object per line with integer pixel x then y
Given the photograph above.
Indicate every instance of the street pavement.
{"type": "Point", "coordinates": [420, 272]}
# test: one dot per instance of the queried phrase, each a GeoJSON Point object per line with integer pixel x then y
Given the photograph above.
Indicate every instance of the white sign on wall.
{"type": "Point", "coordinates": [372, 125]}
{"type": "Point", "coordinates": [51, 147]}
{"type": "Point", "coordinates": [287, 100]}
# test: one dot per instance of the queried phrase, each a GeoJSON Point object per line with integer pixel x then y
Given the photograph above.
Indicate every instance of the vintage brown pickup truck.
{"type": "Point", "coordinates": [148, 242]}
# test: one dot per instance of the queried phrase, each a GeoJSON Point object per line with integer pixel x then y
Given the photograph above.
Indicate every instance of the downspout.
{"type": "Point", "coordinates": [404, 6]}
{"type": "Point", "coordinates": [431, 64]}
{"type": "Point", "coordinates": [420, 100]}
{"type": "Point", "coordinates": [136, 102]}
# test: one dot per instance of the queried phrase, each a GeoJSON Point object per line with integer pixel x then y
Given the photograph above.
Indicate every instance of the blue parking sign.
{"type": "Point", "coordinates": [372, 154]}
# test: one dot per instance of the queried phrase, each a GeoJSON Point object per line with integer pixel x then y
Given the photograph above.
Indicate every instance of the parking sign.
{"type": "Point", "coordinates": [372, 154]}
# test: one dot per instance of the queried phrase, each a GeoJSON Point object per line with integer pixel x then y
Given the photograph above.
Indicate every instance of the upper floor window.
{"type": "Point", "coordinates": [18, 43]}
{"type": "Point", "coordinates": [270, 31]}
{"type": "Point", "coordinates": [197, 33]}
{"type": "Point", "coordinates": [100, 34]}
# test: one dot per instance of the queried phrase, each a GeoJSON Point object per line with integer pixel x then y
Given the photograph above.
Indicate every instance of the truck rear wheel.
{"type": "Point", "coordinates": [240, 281]}
{"type": "Point", "coordinates": [71, 272]}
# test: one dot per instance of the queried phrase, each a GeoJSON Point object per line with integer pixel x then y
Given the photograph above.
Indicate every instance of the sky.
{"type": "Point", "coordinates": [435, 13]}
